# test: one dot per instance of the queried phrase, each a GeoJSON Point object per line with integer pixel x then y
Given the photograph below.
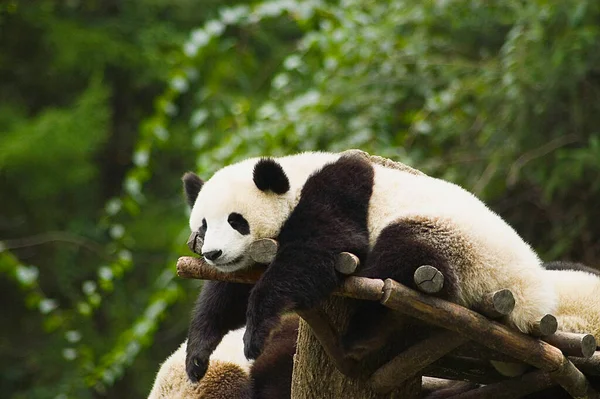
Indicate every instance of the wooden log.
{"type": "Point", "coordinates": [263, 250]}
{"type": "Point", "coordinates": [573, 381]}
{"type": "Point", "coordinates": [590, 365]}
{"type": "Point", "coordinates": [352, 287]}
{"type": "Point", "coordinates": [497, 304]}
{"type": "Point", "coordinates": [346, 263]}
{"type": "Point", "coordinates": [477, 351]}
{"type": "Point", "coordinates": [511, 389]}
{"type": "Point", "coordinates": [429, 385]}
{"type": "Point", "coordinates": [546, 326]}
{"type": "Point", "coordinates": [493, 335]}
{"type": "Point", "coordinates": [190, 267]}
{"type": "Point", "coordinates": [195, 243]}
{"type": "Point", "coordinates": [428, 279]}
{"type": "Point", "coordinates": [464, 369]}
{"type": "Point", "coordinates": [573, 344]}
{"type": "Point", "coordinates": [410, 362]}
{"type": "Point", "coordinates": [369, 289]}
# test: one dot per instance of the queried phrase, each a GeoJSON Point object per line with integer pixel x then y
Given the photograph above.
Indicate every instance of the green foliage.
{"type": "Point", "coordinates": [105, 104]}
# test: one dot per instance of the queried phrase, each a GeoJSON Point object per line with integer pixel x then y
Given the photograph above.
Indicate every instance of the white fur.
{"type": "Point", "coordinates": [231, 350]}
{"type": "Point", "coordinates": [488, 254]}
{"type": "Point", "coordinates": [228, 372]}
{"type": "Point", "coordinates": [578, 295]}
{"type": "Point", "coordinates": [232, 189]}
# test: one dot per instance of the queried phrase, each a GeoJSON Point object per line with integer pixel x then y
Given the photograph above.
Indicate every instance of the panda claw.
{"type": "Point", "coordinates": [196, 368]}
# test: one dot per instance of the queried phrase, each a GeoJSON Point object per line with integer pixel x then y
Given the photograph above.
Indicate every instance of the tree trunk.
{"type": "Point", "coordinates": [315, 376]}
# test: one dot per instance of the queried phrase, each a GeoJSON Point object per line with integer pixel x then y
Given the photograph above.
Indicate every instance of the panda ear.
{"type": "Point", "coordinates": [269, 175]}
{"type": "Point", "coordinates": [192, 184]}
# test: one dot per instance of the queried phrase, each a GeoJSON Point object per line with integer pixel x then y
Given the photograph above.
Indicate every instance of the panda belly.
{"type": "Point", "coordinates": [415, 220]}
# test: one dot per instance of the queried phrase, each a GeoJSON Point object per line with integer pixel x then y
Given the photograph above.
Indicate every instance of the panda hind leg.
{"type": "Point", "coordinates": [400, 249]}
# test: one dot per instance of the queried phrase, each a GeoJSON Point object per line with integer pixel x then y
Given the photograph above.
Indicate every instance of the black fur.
{"type": "Point", "coordinates": [239, 223]}
{"type": "Point", "coordinates": [330, 217]}
{"type": "Point", "coordinates": [564, 265]}
{"type": "Point", "coordinates": [271, 373]}
{"type": "Point", "coordinates": [268, 175]}
{"type": "Point", "coordinates": [220, 308]}
{"type": "Point", "coordinates": [192, 184]}
{"type": "Point", "coordinates": [400, 249]}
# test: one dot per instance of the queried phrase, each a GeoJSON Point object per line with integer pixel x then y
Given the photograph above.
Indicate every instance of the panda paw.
{"type": "Point", "coordinates": [253, 343]}
{"type": "Point", "coordinates": [195, 366]}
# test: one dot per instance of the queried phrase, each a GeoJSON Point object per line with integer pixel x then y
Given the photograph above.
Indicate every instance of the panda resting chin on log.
{"type": "Point", "coordinates": [321, 204]}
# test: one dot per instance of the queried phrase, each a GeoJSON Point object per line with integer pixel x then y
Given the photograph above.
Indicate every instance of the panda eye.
{"type": "Point", "coordinates": [239, 223]}
{"type": "Point", "coordinates": [204, 226]}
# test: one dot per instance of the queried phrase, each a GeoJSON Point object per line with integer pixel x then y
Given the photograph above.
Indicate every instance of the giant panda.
{"type": "Point", "coordinates": [230, 375]}
{"type": "Point", "coordinates": [320, 204]}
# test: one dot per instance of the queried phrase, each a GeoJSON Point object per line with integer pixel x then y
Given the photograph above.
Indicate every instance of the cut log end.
{"type": "Point", "coordinates": [346, 263]}
{"type": "Point", "coordinates": [573, 344]}
{"type": "Point", "coordinates": [263, 250]}
{"type": "Point", "coordinates": [195, 243]}
{"type": "Point", "coordinates": [547, 325]}
{"type": "Point", "coordinates": [497, 304]}
{"type": "Point", "coordinates": [428, 279]}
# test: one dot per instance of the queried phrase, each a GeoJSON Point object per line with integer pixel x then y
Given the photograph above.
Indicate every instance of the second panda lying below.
{"type": "Point", "coordinates": [230, 375]}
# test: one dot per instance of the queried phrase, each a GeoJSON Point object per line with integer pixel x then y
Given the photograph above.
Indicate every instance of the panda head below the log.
{"type": "Point", "coordinates": [245, 202]}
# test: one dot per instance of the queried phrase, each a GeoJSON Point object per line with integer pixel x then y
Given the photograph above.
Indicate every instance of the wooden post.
{"type": "Point", "coordinates": [316, 375]}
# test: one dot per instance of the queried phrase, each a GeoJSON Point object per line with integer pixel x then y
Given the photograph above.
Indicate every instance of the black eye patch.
{"type": "Point", "coordinates": [202, 229]}
{"type": "Point", "coordinates": [239, 223]}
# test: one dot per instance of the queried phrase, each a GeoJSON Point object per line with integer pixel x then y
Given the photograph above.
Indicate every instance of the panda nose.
{"type": "Point", "coordinates": [212, 255]}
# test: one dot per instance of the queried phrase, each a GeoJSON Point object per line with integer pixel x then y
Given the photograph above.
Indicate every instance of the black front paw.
{"type": "Point", "coordinates": [253, 343]}
{"type": "Point", "coordinates": [195, 366]}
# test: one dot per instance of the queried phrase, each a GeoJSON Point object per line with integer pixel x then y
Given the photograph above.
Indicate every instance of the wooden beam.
{"type": "Point", "coordinates": [573, 344]}
{"type": "Point", "coordinates": [191, 267]}
{"type": "Point", "coordinates": [410, 362]}
{"type": "Point", "coordinates": [352, 287]}
{"type": "Point", "coordinates": [511, 389]}
{"type": "Point", "coordinates": [491, 334]}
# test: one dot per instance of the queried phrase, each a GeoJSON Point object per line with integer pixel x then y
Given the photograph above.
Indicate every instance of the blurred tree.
{"type": "Point", "coordinates": [502, 99]}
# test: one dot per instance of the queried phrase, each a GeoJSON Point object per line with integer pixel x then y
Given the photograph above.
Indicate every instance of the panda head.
{"type": "Point", "coordinates": [241, 203]}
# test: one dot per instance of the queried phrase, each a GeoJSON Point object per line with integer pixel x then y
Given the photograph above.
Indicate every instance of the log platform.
{"type": "Point", "coordinates": [462, 348]}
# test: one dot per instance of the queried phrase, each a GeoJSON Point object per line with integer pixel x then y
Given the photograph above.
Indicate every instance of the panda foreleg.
{"type": "Point", "coordinates": [297, 279]}
{"type": "Point", "coordinates": [220, 308]}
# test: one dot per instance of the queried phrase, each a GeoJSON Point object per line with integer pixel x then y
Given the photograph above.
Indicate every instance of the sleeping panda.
{"type": "Point", "coordinates": [230, 375]}
{"type": "Point", "coordinates": [320, 204]}
{"type": "Point", "coordinates": [241, 203]}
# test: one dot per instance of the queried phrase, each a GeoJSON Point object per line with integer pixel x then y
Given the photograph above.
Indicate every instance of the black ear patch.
{"type": "Point", "coordinates": [269, 175]}
{"type": "Point", "coordinates": [192, 185]}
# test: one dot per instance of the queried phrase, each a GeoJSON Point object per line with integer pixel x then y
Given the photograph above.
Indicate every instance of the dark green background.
{"type": "Point", "coordinates": [104, 105]}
